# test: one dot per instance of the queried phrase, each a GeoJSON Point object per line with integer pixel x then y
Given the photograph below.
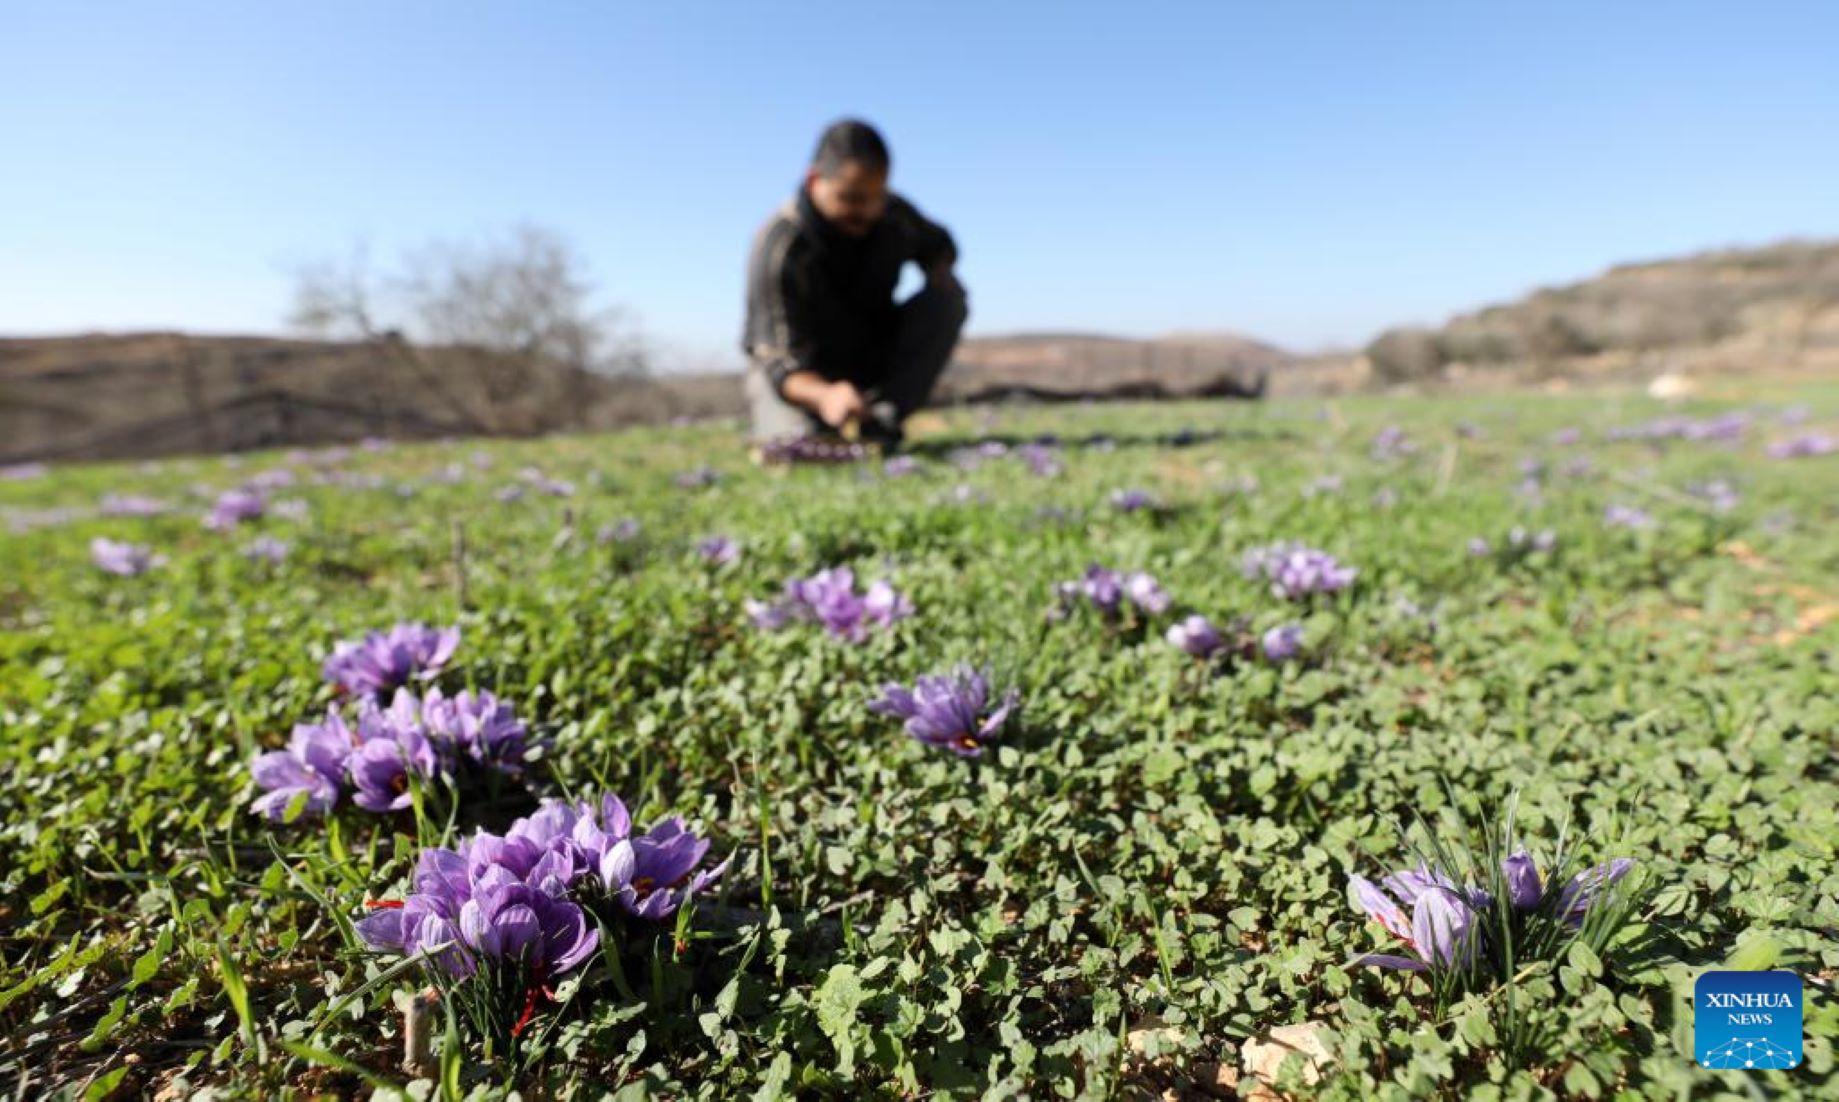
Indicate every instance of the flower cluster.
{"type": "Point", "coordinates": [1726, 427]}
{"type": "Point", "coordinates": [789, 450]}
{"type": "Point", "coordinates": [1804, 446]}
{"type": "Point", "coordinates": [1626, 516]}
{"type": "Point", "coordinates": [376, 755]}
{"type": "Point", "coordinates": [1107, 591]}
{"type": "Point", "coordinates": [233, 507]}
{"type": "Point", "coordinates": [126, 560]}
{"type": "Point", "coordinates": [1198, 636]}
{"type": "Point", "coordinates": [953, 711]}
{"type": "Point", "coordinates": [1444, 923]}
{"type": "Point", "coordinates": [516, 899]}
{"type": "Point", "coordinates": [1295, 571]}
{"type": "Point", "coordinates": [829, 598]}
{"type": "Point", "coordinates": [387, 660]}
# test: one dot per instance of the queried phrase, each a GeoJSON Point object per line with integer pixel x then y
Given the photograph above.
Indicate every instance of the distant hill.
{"type": "Point", "coordinates": [116, 395]}
{"type": "Point", "coordinates": [1732, 309]}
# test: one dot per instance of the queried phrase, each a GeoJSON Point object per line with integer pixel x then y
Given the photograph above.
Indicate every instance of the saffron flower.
{"type": "Point", "coordinates": [1589, 887]}
{"type": "Point", "coordinates": [900, 466]}
{"type": "Point", "coordinates": [1131, 501]}
{"type": "Point", "coordinates": [382, 661]}
{"type": "Point", "coordinates": [1296, 571]}
{"type": "Point", "coordinates": [1283, 642]}
{"type": "Point", "coordinates": [131, 505]}
{"type": "Point", "coordinates": [953, 711]}
{"type": "Point", "coordinates": [267, 549]}
{"type": "Point", "coordinates": [621, 531]}
{"type": "Point", "coordinates": [313, 763]}
{"type": "Point", "coordinates": [125, 560]}
{"type": "Point", "coordinates": [654, 874]}
{"type": "Point", "coordinates": [698, 478]}
{"type": "Point", "coordinates": [718, 550]}
{"type": "Point", "coordinates": [1626, 516]}
{"type": "Point", "coordinates": [1804, 446]}
{"type": "Point", "coordinates": [1197, 635]}
{"type": "Point", "coordinates": [829, 598]}
{"type": "Point", "coordinates": [1106, 590]}
{"type": "Point", "coordinates": [1525, 891]}
{"type": "Point", "coordinates": [1441, 929]}
{"type": "Point", "coordinates": [1444, 924]}
{"type": "Point", "coordinates": [233, 507]}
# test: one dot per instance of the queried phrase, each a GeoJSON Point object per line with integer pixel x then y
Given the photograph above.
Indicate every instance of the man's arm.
{"type": "Point", "coordinates": [787, 358]}
{"type": "Point", "coordinates": [933, 250]}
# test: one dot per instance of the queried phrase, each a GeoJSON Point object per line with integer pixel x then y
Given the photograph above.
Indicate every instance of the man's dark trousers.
{"type": "Point", "coordinates": [902, 373]}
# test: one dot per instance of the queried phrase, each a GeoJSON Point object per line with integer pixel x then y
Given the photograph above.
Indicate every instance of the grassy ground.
{"type": "Point", "coordinates": [1148, 868]}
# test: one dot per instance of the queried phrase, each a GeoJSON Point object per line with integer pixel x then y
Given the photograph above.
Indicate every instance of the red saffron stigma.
{"type": "Point", "coordinates": [384, 904]}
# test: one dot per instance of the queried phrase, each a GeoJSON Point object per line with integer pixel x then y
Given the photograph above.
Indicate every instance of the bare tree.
{"type": "Point", "coordinates": [502, 332]}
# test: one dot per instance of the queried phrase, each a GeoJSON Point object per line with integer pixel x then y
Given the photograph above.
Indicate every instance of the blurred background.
{"type": "Point", "coordinates": [236, 226]}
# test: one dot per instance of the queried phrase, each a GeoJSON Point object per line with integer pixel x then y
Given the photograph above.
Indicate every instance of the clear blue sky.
{"type": "Point", "coordinates": [1305, 172]}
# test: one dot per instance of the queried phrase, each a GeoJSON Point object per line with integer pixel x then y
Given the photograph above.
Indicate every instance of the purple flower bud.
{"type": "Point", "coordinates": [1197, 635]}
{"type": "Point", "coordinates": [1524, 889]}
{"type": "Point", "coordinates": [1283, 642]}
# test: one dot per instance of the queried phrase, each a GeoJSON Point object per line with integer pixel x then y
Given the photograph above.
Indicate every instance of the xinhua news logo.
{"type": "Point", "coordinates": [1747, 1020]}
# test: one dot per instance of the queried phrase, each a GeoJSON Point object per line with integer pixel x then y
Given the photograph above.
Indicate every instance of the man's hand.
{"type": "Point", "coordinates": [839, 404]}
{"type": "Point", "coordinates": [836, 404]}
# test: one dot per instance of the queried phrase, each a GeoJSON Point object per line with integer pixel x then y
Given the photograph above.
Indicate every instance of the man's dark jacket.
{"type": "Point", "coordinates": [820, 300]}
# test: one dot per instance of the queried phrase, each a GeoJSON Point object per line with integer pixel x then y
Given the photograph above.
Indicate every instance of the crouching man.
{"type": "Point", "coordinates": [829, 350]}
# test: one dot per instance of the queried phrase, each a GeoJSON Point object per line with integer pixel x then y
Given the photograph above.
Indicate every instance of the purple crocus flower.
{"type": "Point", "coordinates": [952, 710]}
{"type": "Point", "coordinates": [384, 761]}
{"type": "Point", "coordinates": [1106, 590]}
{"type": "Point", "coordinates": [1392, 442]}
{"type": "Point", "coordinates": [698, 478]}
{"type": "Point", "coordinates": [1197, 635]}
{"type": "Point", "coordinates": [480, 728]}
{"type": "Point", "coordinates": [1478, 547]}
{"type": "Point", "coordinates": [900, 466]}
{"type": "Point", "coordinates": [23, 472]}
{"type": "Point", "coordinates": [267, 549]}
{"type": "Point", "coordinates": [1296, 571]}
{"type": "Point", "coordinates": [1804, 446]}
{"type": "Point", "coordinates": [512, 922]}
{"type": "Point", "coordinates": [1524, 889]}
{"type": "Point", "coordinates": [718, 550]}
{"type": "Point", "coordinates": [131, 505]}
{"type": "Point", "coordinates": [1146, 593]}
{"type": "Point", "coordinates": [1040, 459]}
{"type": "Point", "coordinates": [1626, 516]}
{"type": "Point", "coordinates": [1131, 501]}
{"type": "Point", "coordinates": [233, 507]}
{"type": "Point", "coordinates": [1442, 930]}
{"type": "Point", "coordinates": [125, 560]}
{"type": "Point", "coordinates": [1283, 642]}
{"type": "Point", "coordinates": [1589, 886]}
{"type": "Point", "coordinates": [654, 874]}
{"type": "Point", "coordinates": [829, 597]}
{"type": "Point", "coordinates": [313, 763]}
{"type": "Point", "coordinates": [621, 531]}
{"type": "Point", "coordinates": [382, 661]}
{"type": "Point", "coordinates": [291, 508]}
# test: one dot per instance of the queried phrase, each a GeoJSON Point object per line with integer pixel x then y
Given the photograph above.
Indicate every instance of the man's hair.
{"type": "Point", "coordinates": [849, 140]}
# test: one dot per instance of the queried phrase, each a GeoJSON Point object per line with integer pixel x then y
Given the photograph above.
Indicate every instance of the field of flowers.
{"type": "Point", "coordinates": [1436, 745]}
